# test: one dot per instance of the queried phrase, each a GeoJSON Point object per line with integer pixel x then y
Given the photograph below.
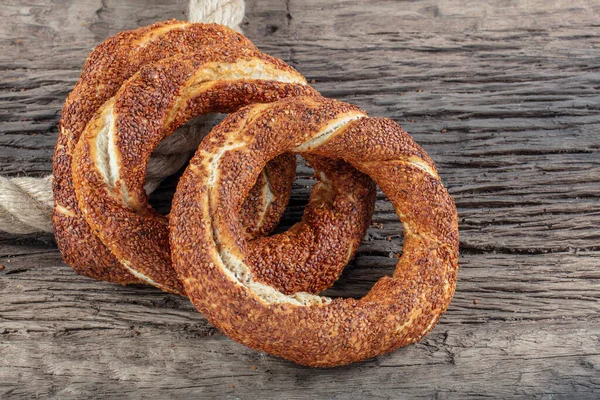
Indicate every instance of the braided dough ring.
{"type": "Point", "coordinates": [211, 257]}
{"type": "Point", "coordinates": [108, 66]}
{"type": "Point", "coordinates": [110, 159]}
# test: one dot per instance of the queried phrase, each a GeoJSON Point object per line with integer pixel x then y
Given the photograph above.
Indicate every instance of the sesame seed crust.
{"type": "Point", "coordinates": [109, 168]}
{"type": "Point", "coordinates": [213, 261]}
{"type": "Point", "coordinates": [111, 64]}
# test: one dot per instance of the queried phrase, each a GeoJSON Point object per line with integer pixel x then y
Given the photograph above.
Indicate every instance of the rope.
{"type": "Point", "coordinates": [26, 203]}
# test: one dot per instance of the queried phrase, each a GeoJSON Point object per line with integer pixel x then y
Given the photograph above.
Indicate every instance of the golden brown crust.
{"type": "Point", "coordinates": [211, 257]}
{"type": "Point", "coordinates": [110, 159]}
{"type": "Point", "coordinates": [108, 66]}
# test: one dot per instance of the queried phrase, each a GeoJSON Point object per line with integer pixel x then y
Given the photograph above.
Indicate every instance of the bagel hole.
{"type": "Point", "coordinates": [184, 141]}
{"type": "Point", "coordinates": [162, 197]}
{"type": "Point", "coordinates": [379, 251]}
{"type": "Point", "coordinates": [377, 255]}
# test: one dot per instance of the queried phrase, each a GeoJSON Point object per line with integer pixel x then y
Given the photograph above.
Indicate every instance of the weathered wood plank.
{"type": "Point", "coordinates": [146, 363]}
{"type": "Point", "coordinates": [526, 332]}
{"type": "Point", "coordinates": [503, 95]}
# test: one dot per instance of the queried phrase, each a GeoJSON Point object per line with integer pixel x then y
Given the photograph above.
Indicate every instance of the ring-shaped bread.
{"type": "Point", "coordinates": [108, 66]}
{"type": "Point", "coordinates": [211, 256]}
{"type": "Point", "coordinates": [109, 167]}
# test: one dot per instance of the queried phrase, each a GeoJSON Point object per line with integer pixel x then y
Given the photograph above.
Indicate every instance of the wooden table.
{"type": "Point", "coordinates": [503, 95]}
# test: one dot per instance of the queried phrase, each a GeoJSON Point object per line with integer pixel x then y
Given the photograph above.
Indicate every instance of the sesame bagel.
{"type": "Point", "coordinates": [212, 257]}
{"type": "Point", "coordinates": [111, 64]}
{"type": "Point", "coordinates": [109, 166]}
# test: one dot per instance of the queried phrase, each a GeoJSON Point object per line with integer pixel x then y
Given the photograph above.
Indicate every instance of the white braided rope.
{"type": "Point", "coordinates": [224, 12]}
{"type": "Point", "coordinates": [26, 203]}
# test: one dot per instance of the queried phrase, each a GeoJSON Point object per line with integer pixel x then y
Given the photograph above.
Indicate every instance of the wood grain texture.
{"type": "Point", "coordinates": [505, 97]}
